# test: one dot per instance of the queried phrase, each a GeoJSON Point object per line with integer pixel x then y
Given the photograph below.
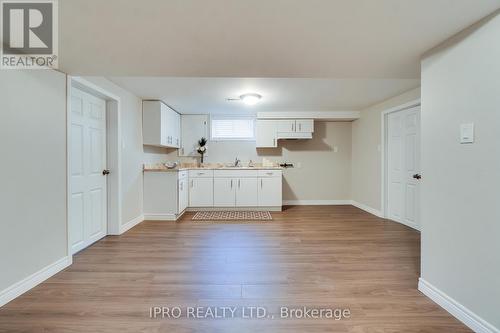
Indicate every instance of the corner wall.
{"type": "Point", "coordinates": [366, 151]}
{"type": "Point", "coordinates": [460, 187]}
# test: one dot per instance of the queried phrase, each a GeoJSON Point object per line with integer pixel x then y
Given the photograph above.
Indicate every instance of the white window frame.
{"type": "Point", "coordinates": [231, 117]}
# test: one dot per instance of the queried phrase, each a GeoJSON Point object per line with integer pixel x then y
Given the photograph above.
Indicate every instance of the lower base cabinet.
{"type": "Point", "coordinates": [168, 194]}
{"type": "Point", "coordinates": [246, 193]}
{"type": "Point", "coordinates": [224, 192]}
{"type": "Point", "coordinates": [236, 192]}
{"type": "Point", "coordinates": [269, 192]}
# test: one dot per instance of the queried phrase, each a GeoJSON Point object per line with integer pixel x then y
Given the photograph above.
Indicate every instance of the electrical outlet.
{"type": "Point", "coordinates": [335, 149]}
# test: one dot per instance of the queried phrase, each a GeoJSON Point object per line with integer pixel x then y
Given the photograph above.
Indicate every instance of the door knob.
{"type": "Point", "coordinates": [105, 172]}
{"type": "Point", "coordinates": [417, 176]}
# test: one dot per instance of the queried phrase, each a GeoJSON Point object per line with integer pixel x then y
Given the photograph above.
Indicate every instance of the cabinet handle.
{"type": "Point", "coordinates": [192, 183]}
{"type": "Point", "coordinates": [300, 127]}
{"type": "Point", "coordinates": [292, 127]}
{"type": "Point", "coordinates": [238, 183]}
{"type": "Point", "coordinates": [261, 183]}
{"type": "Point", "coordinates": [231, 183]}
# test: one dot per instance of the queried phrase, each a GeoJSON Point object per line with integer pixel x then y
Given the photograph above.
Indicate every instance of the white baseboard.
{"type": "Point", "coordinates": [411, 225]}
{"type": "Point", "coordinates": [366, 208]}
{"type": "Point", "coordinates": [466, 316]}
{"type": "Point", "coordinates": [315, 202]}
{"type": "Point", "coordinates": [33, 280]}
{"type": "Point", "coordinates": [160, 217]}
{"type": "Point", "coordinates": [130, 224]}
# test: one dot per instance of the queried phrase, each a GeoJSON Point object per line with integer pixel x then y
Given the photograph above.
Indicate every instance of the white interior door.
{"type": "Point", "coordinates": [403, 166]}
{"type": "Point", "coordinates": [87, 160]}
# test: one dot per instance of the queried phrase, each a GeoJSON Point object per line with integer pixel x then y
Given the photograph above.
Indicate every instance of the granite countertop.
{"type": "Point", "coordinates": [161, 167]}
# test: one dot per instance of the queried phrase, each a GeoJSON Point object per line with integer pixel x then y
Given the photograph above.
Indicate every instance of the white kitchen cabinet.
{"type": "Point", "coordinates": [270, 192]}
{"type": "Point", "coordinates": [285, 125]}
{"type": "Point", "coordinates": [165, 195]}
{"type": "Point", "coordinates": [266, 134]}
{"type": "Point", "coordinates": [304, 126]}
{"type": "Point", "coordinates": [193, 128]}
{"type": "Point", "coordinates": [201, 192]}
{"type": "Point", "coordinates": [183, 189]}
{"type": "Point", "coordinates": [246, 192]}
{"type": "Point", "coordinates": [269, 131]}
{"type": "Point", "coordinates": [224, 192]}
{"type": "Point", "coordinates": [160, 125]}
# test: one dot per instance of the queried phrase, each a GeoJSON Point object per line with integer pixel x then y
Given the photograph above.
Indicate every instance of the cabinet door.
{"type": "Point", "coordinates": [224, 192]}
{"type": "Point", "coordinates": [201, 192]}
{"type": "Point", "coordinates": [183, 194]}
{"type": "Point", "coordinates": [152, 123]}
{"type": "Point", "coordinates": [285, 125]}
{"type": "Point", "coordinates": [246, 192]}
{"type": "Point", "coordinates": [304, 126]}
{"type": "Point", "coordinates": [270, 192]}
{"type": "Point", "coordinates": [266, 134]}
{"type": "Point", "coordinates": [193, 128]}
{"type": "Point", "coordinates": [164, 126]}
{"type": "Point", "coordinates": [177, 136]}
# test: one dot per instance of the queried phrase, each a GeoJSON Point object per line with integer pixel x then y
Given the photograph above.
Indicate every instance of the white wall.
{"type": "Point", "coordinates": [366, 154]}
{"type": "Point", "coordinates": [320, 173]}
{"type": "Point", "coordinates": [32, 172]}
{"type": "Point", "coordinates": [132, 151]}
{"type": "Point", "coordinates": [460, 189]}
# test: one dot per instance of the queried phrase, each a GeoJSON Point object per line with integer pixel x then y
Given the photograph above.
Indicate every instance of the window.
{"type": "Point", "coordinates": [232, 128]}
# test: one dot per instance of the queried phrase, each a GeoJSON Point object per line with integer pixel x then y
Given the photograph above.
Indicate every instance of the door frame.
{"type": "Point", "coordinates": [113, 153]}
{"type": "Point", "coordinates": [384, 114]}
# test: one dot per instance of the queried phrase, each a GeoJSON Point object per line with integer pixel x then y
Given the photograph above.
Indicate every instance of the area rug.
{"type": "Point", "coordinates": [232, 216]}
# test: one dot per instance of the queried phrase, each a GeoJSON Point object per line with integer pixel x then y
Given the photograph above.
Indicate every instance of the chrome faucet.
{"type": "Point", "coordinates": [237, 162]}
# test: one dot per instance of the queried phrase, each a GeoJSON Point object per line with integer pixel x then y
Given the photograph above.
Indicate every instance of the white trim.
{"type": "Point", "coordinates": [383, 146]}
{"type": "Point", "coordinates": [160, 217]}
{"type": "Point", "coordinates": [130, 224]}
{"type": "Point", "coordinates": [465, 315]}
{"type": "Point", "coordinates": [316, 115]}
{"type": "Point", "coordinates": [315, 202]}
{"type": "Point", "coordinates": [367, 209]}
{"type": "Point", "coordinates": [19, 288]}
{"type": "Point", "coordinates": [411, 225]}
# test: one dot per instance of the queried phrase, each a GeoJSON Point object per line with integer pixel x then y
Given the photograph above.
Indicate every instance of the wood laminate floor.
{"type": "Point", "coordinates": [336, 257]}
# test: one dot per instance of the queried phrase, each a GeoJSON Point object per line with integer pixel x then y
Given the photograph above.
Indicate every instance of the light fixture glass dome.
{"type": "Point", "coordinates": [250, 99]}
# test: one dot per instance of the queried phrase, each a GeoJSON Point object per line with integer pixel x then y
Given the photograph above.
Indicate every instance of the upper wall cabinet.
{"type": "Point", "coordinates": [193, 128]}
{"type": "Point", "coordinates": [269, 131]}
{"type": "Point", "coordinates": [295, 128]}
{"type": "Point", "coordinates": [160, 125]}
{"type": "Point", "coordinates": [266, 134]}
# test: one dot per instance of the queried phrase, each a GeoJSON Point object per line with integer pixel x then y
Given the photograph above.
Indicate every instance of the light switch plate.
{"type": "Point", "coordinates": [467, 133]}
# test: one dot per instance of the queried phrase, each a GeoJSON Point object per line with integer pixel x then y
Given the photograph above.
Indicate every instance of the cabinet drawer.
{"type": "Point", "coordinates": [245, 173]}
{"type": "Point", "coordinates": [183, 174]}
{"type": "Point", "coordinates": [269, 173]}
{"type": "Point", "coordinates": [201, 173]}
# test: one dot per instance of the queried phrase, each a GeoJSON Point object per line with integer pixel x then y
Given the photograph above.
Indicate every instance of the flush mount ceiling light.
{"type": "Point", "coordinates": [248, 99]}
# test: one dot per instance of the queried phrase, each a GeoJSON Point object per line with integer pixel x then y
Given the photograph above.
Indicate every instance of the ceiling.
{"type": "Point", "coordinates": [258, 38]}
{"type": "Point", "coordinates": [209, 95]}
